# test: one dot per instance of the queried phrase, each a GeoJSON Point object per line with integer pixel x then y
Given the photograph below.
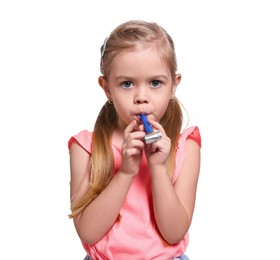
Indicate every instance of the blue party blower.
{"type": "Point", "coordinates": [150, 136]}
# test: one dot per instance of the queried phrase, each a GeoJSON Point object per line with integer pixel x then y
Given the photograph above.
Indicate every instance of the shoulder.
{"type": "Point", "coordinates": [83, 138]}
{"type": "Point", "coordinates": [79, 146]}
{"type": "Point", "coordinates": [193, 134]}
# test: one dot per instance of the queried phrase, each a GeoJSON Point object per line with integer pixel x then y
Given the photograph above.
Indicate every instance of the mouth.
{"type": "Point", "coordinates": [138, 116]}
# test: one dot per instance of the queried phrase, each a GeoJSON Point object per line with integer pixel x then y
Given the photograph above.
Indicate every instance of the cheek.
{"type": "Point", "coordinates": [123, 109]}
{"type": "Point", "coordinates": [161, 109]}
{"type": "Point", "coordinates": [165, 101]}
{"type": "Point", "coordinates": [123, 103]}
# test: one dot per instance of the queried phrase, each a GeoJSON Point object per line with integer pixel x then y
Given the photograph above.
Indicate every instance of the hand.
{"type": "Point", "coordinates": [157, 152]}
{"type": "Point", "coordinates": [132, 149]}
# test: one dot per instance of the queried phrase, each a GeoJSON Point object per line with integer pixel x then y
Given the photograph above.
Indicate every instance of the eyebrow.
{"type": "Point", "coordinates": [120, 77]}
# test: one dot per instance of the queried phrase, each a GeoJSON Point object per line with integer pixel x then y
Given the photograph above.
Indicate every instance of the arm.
{"type": "Point", "coordinates": [98, 217]}
{"type": "Point", "coordinates": [174, 205]}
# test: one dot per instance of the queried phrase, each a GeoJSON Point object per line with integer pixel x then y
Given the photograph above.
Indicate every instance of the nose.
{"type": "Point", "coordinates": [141, 97]}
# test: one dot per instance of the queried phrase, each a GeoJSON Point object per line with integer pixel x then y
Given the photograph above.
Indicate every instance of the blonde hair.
{"type": "Point", "coordinates": [128, 36]}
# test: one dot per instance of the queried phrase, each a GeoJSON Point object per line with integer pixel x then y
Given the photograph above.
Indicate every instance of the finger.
{"type": "Point", "coordinates": [130, 128]}
{"type": "Point", "coordinates": [141, 128]}
{"type": "Point", "coordinates": [157, 126]}
{"type": "Point", "coordinates": [135, 143]}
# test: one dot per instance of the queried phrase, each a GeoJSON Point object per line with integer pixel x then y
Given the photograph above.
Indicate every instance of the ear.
{"type": "Point", "coordinates": [176, 83]}
{"type": "Point", "coordinates": [104, 84]}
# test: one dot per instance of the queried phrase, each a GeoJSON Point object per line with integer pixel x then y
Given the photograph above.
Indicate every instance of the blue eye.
{"type": "Point", "coordinates": [155, 83]}
{"type": "Point", "coordinates": [127, 84]}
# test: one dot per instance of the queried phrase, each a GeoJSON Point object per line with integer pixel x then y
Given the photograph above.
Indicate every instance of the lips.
{"type": "Point", "coordinates": [138, 116]}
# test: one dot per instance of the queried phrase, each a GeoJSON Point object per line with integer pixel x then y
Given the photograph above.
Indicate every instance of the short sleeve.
{"type": "Point", "coordinates": [83, 139]}
{"type": "Point", "coordinates": [195, 135]}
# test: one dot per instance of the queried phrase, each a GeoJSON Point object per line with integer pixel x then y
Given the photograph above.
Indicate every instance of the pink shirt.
{"type": "Point", "coordinates": [135, 232]}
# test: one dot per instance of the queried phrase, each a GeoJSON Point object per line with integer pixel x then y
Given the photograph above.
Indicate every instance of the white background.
{"type": "Point", "coordinates": [228, 54]}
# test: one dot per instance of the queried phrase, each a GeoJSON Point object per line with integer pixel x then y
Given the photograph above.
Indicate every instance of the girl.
{"type": "Point", "coordinates": [129, 199]}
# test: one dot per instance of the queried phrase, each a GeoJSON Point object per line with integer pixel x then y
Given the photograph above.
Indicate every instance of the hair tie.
{"type": "Point", "coordinates": [103, 48]}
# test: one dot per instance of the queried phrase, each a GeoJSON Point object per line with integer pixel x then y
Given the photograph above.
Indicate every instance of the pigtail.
{"type": "Point", "coordinates": [172, 123]}
{"type": "Point", "coordinates": [101, 172]}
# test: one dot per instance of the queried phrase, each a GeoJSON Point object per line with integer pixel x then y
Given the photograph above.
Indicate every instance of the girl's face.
{"type": "Point", "coordinates": [139, 82]}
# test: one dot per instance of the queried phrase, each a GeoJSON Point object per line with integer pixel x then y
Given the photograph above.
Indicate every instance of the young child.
{"type": "Point", "coordinates": [131, 199]}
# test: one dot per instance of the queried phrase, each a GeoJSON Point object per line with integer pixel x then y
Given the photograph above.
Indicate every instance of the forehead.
{"type": "Point", "coordinates": [141, 58]}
